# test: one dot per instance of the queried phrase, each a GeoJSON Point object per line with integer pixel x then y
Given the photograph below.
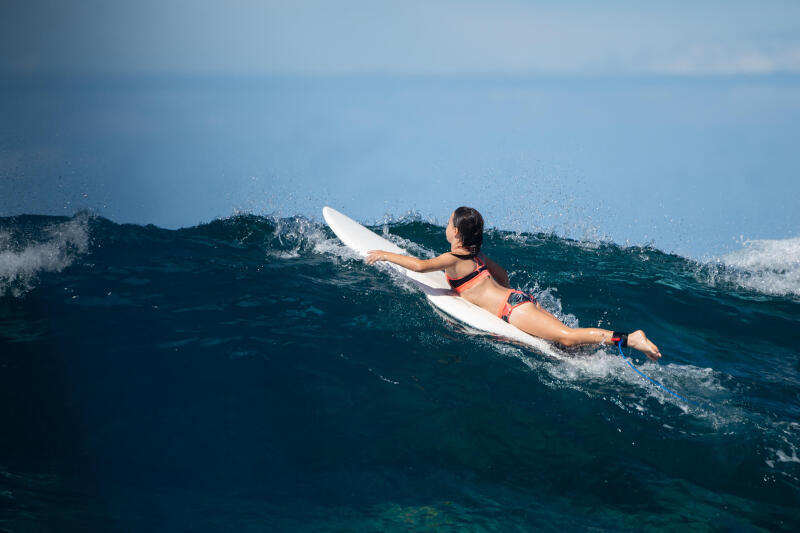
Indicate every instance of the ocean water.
{"type": "Point", "coordinates": [252, 374]}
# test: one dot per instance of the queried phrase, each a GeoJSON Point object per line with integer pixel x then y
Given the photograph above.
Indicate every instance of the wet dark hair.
{"type": "Point", "coordinates": [470, 228]}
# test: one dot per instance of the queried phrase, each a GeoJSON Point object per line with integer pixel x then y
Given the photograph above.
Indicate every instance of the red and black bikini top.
{"type": "Point", "coordinates": [461, 284]}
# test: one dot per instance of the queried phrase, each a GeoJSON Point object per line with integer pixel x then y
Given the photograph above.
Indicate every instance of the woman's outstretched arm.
{"type": "Point", "coordinates": [412, 263]}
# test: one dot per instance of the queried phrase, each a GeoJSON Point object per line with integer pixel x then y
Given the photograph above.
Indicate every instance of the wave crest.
{"type": "Point", "coordinates": [767, 266]}
{"type": "Point", "coordinates": [23, 257]}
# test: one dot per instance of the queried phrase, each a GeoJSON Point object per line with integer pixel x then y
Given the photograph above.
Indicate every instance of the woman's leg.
{"type": "Point", "coordinates": [540, 323]}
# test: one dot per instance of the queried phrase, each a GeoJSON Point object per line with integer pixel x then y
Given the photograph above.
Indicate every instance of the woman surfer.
{"type": "Point", "coordinates": [484, 283]}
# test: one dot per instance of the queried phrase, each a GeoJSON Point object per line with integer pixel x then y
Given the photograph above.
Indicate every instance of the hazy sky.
{"type": "Point", "coordinates": [610, 117]}
{"type": "Point", "coordinates": [258, 37]}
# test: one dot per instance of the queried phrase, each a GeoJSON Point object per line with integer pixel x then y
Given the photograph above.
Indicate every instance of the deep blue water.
{"type": "Point", "coordinates": [250, 374]}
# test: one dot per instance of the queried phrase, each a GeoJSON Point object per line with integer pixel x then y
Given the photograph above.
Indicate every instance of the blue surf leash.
{"type": "Point", "coordinates": [651, 380]}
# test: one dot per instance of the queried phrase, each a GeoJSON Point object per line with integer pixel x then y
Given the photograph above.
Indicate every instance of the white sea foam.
{"type": "Point", "coordinates": [767, 266]}
{"type": "Point", "coordinates": [21, 261]}
{"type": "Point", "coordinates": [411, 247]}
{"type": "Point", "coordinates": [333, 247]}
{"type": "Point", "coordinates": [782, 452]}
{"type": "Point", "coordinates": [599, 373]}
{"type": "Point", "coordinates": [297, 234]}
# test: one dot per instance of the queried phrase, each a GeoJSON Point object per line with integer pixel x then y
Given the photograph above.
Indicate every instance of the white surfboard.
{"type": "Point", "coordinates": [433, 284]}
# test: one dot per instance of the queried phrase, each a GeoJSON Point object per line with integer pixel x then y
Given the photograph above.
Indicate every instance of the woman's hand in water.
{"type": "Point", "coordinates": [373, 256]}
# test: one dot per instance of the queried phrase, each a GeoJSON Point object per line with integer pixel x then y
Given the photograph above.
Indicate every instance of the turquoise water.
{"type": "Point", "coordinates": [252, 374]}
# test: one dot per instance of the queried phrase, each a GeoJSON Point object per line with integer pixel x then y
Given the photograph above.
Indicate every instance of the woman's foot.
{"type": "Point", "coordinates": [639, 341]}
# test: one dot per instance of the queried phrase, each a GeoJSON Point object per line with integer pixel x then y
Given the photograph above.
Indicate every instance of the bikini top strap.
{"type": "Point", "coordinates": [464, 256]}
